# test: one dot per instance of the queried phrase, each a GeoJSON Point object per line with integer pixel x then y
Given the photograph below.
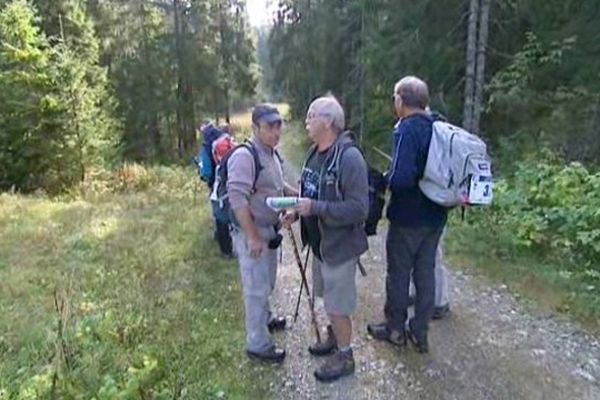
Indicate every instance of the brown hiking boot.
{"type": "Point", "coordinates": [338, 365]}
{"type": "Point", "coordinates": [326, 347]}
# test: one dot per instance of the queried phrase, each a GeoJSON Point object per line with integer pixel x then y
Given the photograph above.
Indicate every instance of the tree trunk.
{"type": "Point", "coordinates": [179, 107]}
{"type": "Point", "coordinates": [363, 77]}
{"type": "Point", "coordinates": [480, 73]}
{"type": "Point", "coordinates": [152, 122]}
{"type": "Point", "coordinates": [225, 63]}
{"type": "Point", "coordinates": [471, 59]}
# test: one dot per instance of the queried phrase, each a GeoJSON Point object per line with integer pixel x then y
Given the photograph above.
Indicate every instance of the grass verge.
{"type": "Point", "coordinates": [120, 295]}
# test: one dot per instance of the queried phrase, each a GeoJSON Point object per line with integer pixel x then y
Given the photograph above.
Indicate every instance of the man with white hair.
{"type": "Point", "coordinates": [416, 223]}
{"type": "Point", "coordinates": [333, 209]}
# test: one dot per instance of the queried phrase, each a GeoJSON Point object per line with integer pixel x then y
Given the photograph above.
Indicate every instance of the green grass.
{"type": "Point", "coordinates": [545, 283]}
{"type": "Point", "coordinates": [146, 308]}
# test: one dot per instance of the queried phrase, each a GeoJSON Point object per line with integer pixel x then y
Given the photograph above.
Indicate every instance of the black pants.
{"type": "Point", "coordinates": [223, 237]}
{"type": "Point", "coordinates": [410, 250]}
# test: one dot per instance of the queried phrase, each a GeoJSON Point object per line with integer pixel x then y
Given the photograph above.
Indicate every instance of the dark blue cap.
{"type": "Point", "coordinates": [265, 113]}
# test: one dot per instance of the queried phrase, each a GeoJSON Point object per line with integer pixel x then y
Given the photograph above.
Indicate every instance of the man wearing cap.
{"type": "Point", "coordinates": [255, 228]}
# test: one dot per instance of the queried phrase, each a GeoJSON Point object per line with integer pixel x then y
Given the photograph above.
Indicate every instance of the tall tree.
{"type": "Point", "coordinates": [57, 121]}
{"type": "Point", "coordinates": [470, 64]}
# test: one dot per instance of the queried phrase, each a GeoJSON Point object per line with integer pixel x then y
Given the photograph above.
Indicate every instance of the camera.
{"type": "Point", "coordinates": [275, 242]}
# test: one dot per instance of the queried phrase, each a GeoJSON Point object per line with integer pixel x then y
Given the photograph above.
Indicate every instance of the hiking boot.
{"type": "Point", "coordinates": [418, 340]}
{"type": "Point", "coordinates": [339, 364]}
{"type": "Point", "coordinates": [276, 324]}
{"type": "Point", "coordinates": [441, 311]}
{"type": "Point", "coordinates": [326, 347]}
{"type": "Point", "coordinates": [274, 354]}
{"type": "Point", "coordinates": [382, 332]}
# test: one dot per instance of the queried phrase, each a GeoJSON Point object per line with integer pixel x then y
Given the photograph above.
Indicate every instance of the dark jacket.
{"type": "Point", "coordinates": [343, 202]}
{"type": "Point", "coordinates": [409, 207]}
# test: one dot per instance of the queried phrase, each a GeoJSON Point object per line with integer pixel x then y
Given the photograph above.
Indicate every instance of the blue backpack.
{"type": "Point", "coordinates": [204, 160]}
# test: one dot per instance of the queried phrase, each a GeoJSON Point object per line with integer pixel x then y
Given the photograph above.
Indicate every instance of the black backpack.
{"type": "Point", "coordinates": [377, 187]}
{"type": "Point", "coordinates": [222, 173]}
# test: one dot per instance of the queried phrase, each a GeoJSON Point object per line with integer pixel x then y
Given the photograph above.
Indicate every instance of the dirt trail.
{"type": "Point", "coordinates": [490, 347]}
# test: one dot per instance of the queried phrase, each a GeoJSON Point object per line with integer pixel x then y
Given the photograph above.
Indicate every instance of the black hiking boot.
{"type": "Point", "coordinates": [418, 340]}
{"type": "Point", "coordinates": [441, 311]}
{"type": "Point", "coordinates": [340, 364]}
{"type": "Point", "coordinates": [326, 347]}
{"type": "Point", "coordinates": [382, 332]}
{"type": "Point", "coordinates": [274, 354]}
{"type": "Point", "coordinates": [276, 324]}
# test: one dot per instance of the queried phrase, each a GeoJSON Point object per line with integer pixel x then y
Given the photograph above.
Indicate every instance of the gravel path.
{"type": "Point", "coordinates": [489, 347]}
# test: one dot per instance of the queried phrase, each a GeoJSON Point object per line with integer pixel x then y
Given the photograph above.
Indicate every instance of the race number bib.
{"type": "Point", "coordinates": [481, 190]}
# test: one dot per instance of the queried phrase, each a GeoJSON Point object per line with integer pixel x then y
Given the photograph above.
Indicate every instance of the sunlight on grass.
{"type": "Point", "coordinates": [120, 293]}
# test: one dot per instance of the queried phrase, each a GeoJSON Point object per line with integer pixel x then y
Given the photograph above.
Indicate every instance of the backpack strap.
{"type": "Point", "coordinates": [248, 144]}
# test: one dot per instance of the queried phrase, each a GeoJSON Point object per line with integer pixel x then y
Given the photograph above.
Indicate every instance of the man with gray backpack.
{"type": "Point", "coordinates": [436, 166]}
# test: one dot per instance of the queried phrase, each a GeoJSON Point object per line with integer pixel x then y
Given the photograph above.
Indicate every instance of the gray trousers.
{"type": "Point", "coordinates": [258, 281]}
{"type": "Point", "coordinates": [410, 252]}
{"type": "Point", "coordinates": [442, 297]}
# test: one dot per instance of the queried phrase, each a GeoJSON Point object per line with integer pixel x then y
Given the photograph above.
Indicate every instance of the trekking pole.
{"type": "Point", "coordinates": [311, 304]}
{"type": "Point", "coordinates": [301, 286]}
{"type": "Point", "coordinates": [382, 153]}
{"type": "Point", "coordinates": [361, 268]}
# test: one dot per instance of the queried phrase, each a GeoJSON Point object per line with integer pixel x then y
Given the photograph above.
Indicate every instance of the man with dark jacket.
{"type": "Point", "coordinates": [334, 207]}
{"type": "Point", "coordinates": [416, 223]}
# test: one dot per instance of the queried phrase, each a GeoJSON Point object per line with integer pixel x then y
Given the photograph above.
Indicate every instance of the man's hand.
{"type": "Point", "coordinates": [288, 218]}
{"type": "Point", "coordinates": [256, 245]}
{"type": "Point", "coordinates": [304, 207]}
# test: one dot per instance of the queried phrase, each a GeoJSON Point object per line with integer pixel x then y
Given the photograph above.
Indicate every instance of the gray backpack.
{"type": "Point", "coordinates": [458, 169]}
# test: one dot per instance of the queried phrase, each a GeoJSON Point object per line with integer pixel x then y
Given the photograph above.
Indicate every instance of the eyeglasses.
{"type": "Point", "coordinates": [312, 115]}
{"type": "Point", "coordinates": [394, 97]}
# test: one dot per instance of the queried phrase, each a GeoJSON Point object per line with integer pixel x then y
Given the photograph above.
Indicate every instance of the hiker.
{"type": "Point", "coordinates": [225, 127]}
{"type": "Point", "coordinates": [416, 222]}
{"type": "Point", "coordinates": [254, 172]}
{"type": "Point", "coordinates": [442, 301]}
{"type": "Point", "coordinates": [333, 207]}
{"type": "Point", "coordinates": [206, 163]}
{"type": "Point", "coordinates": [221, 146]}
{"type": "Point", "coordinates": [442, 298]}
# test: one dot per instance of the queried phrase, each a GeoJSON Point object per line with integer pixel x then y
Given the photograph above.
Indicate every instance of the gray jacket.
{"type": "Point", "coordinates": [343, 202]}
{"type": "Point", "coordinates": [240, 180]}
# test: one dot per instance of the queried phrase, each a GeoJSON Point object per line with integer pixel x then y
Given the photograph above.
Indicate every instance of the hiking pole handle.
{"type": "Point", "coordinates": [311, 304]}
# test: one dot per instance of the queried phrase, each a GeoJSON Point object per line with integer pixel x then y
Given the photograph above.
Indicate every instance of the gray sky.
{"type": "Point", "coordinates": [258, 11]}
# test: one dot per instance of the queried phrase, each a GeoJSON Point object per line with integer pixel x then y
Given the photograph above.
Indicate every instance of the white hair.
{"type": "Point", "coordinates": [328, 107]}
{"type": "Point", "coordinates": [413, 92]}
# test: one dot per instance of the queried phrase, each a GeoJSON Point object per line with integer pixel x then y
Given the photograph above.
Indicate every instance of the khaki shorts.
{"type": "Point", "coordinates": [336, 285]}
